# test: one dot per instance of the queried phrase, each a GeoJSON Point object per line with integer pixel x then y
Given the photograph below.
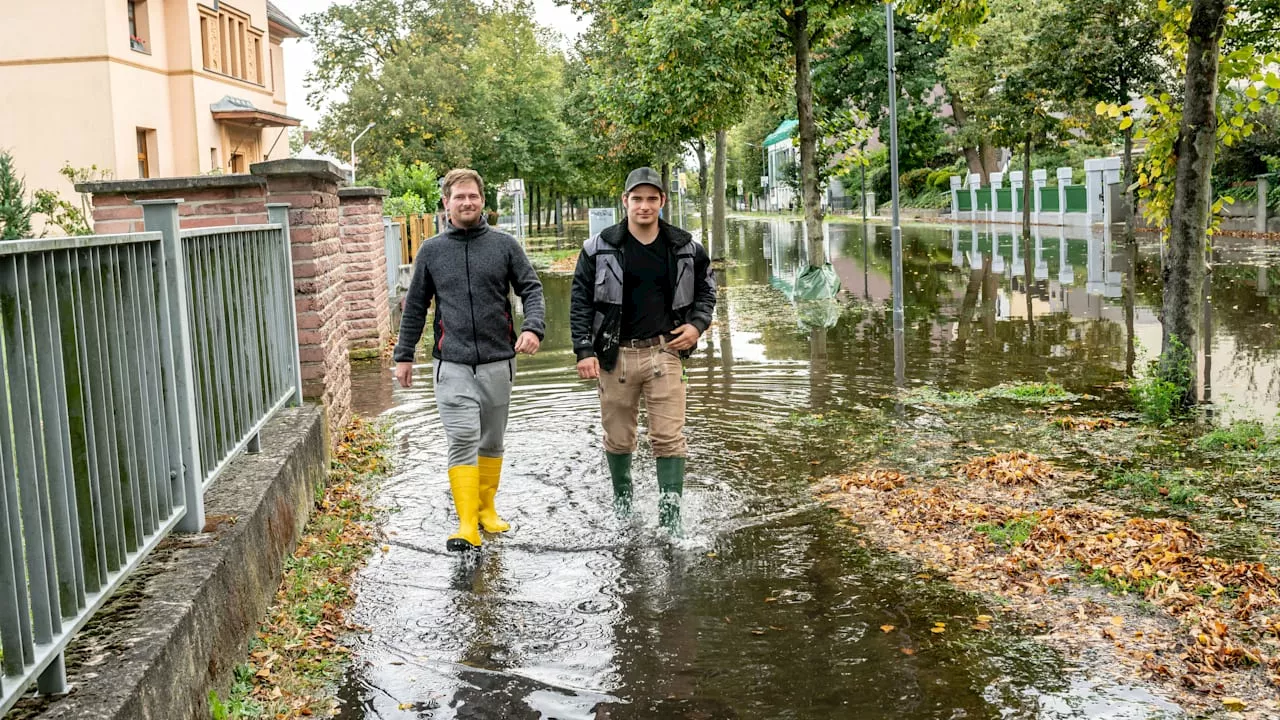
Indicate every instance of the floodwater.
{"type": "Point", "coordinates": [769, 607]}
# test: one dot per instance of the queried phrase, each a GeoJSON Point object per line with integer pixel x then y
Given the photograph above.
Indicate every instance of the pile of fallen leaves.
{"type": "Point", "coordinates": [874, 479]}
{"type": "Point", "coordinates": [298, 653]}
{"type": "Point", "coordinates": [1088, 424]}
{"type": "Point", "coordinates": [565, 265]}
{"type": "Point", "coordinates": [1223, 617]}
{"type": "Point", "coordinates": [1011, 468]}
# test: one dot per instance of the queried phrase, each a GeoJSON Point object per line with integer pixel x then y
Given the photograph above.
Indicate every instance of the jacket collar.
{"type": "Point", "coordinates": [674, 235]}
{"type": "Point", "coordinates": [458, 233]}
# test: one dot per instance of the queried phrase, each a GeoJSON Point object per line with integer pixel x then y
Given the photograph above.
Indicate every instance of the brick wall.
{"type": "Point", "coordinates": [207, 201]}
{"type": "Point", "coordinates": [310, 187]}
{"type": "Point", "coordinates": [365, 286]}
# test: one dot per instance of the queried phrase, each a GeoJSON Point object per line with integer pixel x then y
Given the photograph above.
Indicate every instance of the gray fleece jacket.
{"type": "Point", "coordinates": [469, 271]}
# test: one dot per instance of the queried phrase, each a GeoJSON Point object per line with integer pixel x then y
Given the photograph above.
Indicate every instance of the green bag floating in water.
{"type": "Point", "coordinates": [817, 284]}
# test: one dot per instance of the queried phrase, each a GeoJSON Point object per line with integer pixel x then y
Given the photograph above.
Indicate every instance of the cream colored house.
{"type": "Point", "coordinates": [146, 88]}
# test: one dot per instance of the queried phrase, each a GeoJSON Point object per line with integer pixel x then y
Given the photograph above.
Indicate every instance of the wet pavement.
{"type": "Point", "coordinates": [769, 607]}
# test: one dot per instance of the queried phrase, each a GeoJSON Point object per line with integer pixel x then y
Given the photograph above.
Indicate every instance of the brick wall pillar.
{"type": "Point", "coordinates": [310, 187]}
{"type": "Point", "coordinates": [365, 287]}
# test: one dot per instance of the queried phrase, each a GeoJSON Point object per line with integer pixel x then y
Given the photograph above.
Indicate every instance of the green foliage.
{"type": "Point", "coordinates": [1237, 436]}
{"type": "Point", "coordinates": [913, 182]}
{"type": "Point", "coordinates": [1159, 393]}
{"type": "Point", "coordinates": [416, 179]}
{"type": "Point", "coordinates": [451, 83]}
{"type": "Point", "coordinates": [1032, 391]}
{"type": "Point", "coordinates": [404, 205]}
{"type": "Point", "coordinates": [15, 210]}
{"type": "Point", "coordinates": [1010, 533]}
{"type": "Point", "coordinates": [1153, 486]}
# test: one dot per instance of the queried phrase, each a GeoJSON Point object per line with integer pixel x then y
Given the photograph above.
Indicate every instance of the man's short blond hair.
{"type": "Point", "coordinates": [460, 175]}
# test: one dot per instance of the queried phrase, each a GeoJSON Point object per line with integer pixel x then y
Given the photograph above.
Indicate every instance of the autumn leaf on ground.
{"type": "Point", "coordinates": [886, 628]}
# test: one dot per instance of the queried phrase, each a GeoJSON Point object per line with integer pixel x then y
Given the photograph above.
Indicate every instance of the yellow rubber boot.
{"type": "Point", "coordinates": [465, 482]}
{"type": "Point", "coordinates": [490, 474]}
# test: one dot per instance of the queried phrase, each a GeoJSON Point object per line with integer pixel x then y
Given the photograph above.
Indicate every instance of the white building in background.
{"type": "Point", "coordinates": [782, 161]}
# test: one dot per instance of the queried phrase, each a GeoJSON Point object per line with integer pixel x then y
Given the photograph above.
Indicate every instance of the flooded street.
{"type": "Point", "coordinates": [770, 607]}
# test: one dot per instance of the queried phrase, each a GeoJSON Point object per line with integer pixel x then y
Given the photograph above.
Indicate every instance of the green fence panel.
{"type": "Point", "coordinates": [964, 203]}
{"type": "Point", "coordinates": [1004, 200]}
{"type": "Point", "coordinates": [984, 199]}
{"type": "Point", "coordinates": [1077, 199]}
{"type": "Point", "coordinates": [1049, 199]}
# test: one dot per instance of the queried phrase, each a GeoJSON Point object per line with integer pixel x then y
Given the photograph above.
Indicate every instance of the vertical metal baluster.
{"type": "Point", "coordinates": [48, 370]}
{"type": "Point", "coordinates": [15, 618]}
{"type": "Point", "coordinates": [162, 216]}
{"type": "Point", "coordinates": [222, 348]}
{"type": "Point", "coordinates": [235, 306]}
{"type": "Point", "coordinates": [26, 425]}
{"type": "Point", "coordinates": [143, 491]}
{"type": "Point", "coordinates": [194, 266]}
{"type": "Point", "coordinates": [279, 213]}
{"type": "Point", "coordinates": [275, 314]}
{"type": "Point", "coordinates": [95, 404]}
{"type": "Point", "coordinates": [212, 344]}
{"type": "Point", "coordinates": [75, 395]}
{"type": "Point", "coordinates": [149, 287]}
{"type": "Point", "coordinates": [131, 474]}
{"type": "Point", "coordinates": [113, 501]}
{"type": "Point", "coordinates": [252, 346]}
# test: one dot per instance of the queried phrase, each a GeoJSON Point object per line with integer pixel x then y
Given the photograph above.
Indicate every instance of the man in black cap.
{"type": "Point", "coordinates": [643, 294]}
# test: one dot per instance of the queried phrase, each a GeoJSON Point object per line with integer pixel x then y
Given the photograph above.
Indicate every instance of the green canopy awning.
{"type": "Point", "coordinates": [784, 131]}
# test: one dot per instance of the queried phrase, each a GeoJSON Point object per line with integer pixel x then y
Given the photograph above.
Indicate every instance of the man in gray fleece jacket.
{"type": "Point", "coordinates": [469, 270]}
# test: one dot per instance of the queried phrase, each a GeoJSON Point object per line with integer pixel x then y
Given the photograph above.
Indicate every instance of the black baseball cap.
{"type": "Point", "coordinates": [644, 176]}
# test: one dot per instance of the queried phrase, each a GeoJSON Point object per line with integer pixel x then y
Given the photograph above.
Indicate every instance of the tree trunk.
{"type": "Point", "coordinates": [537, 206]}
{"type": "Point", "coordinates": [701, 146]}
{"type": "Point", "coordinates": [961, 118]}
{"type": "Point", "coordinates": [666, 183]}
{"type": "Point", "coordinates": [808, 136]}
{"type": "Point", "coordinates": [717, 200]}
{"type": "Point", "coordinates": [1028, 261]}
{"type": "Point", "coordinates": [1184, 268]}
{"type": "Point", "coordinates": [987, 154]}
{"type": "Point", "coordinates": [528, 207]}
{"type": "Point", "coordinates": [559, 217]}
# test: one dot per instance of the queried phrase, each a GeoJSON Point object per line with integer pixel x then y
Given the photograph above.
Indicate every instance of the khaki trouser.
{"type": "Point", "coordinates": [657, 375]}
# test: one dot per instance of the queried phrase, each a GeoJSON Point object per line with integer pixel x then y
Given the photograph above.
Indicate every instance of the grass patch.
{"type": "Point", "coordinates": [1031, 392]}
{"type": "Point", "coordinates": [932, 396]}
{"type": "Point", "coordinates": [1237, 436]}
{"type": "Point", "coordinates": [1010, 533]}
{"type": "Point", "coordinates": [1154, 486]}
{"type": "Point", "coordinates": [1119, 585]}
{"type": "Point", "coordinates": [545, 259]}
{"type": "Point", "coordinates": [297, 656]}
{"type": "Point", "coordinates": [1022, 392]}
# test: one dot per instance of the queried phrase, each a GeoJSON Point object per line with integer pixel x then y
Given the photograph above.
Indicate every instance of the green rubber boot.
{"type": "Point", "coordinates": [671, 487]}
{"type": "Point", "coordinates": [620, 471]}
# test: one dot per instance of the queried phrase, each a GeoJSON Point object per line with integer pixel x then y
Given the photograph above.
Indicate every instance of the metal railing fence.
{"type": "Point", "coordinates": [240, 291]}
{"type": "Point", "coordinates": [103, 445]}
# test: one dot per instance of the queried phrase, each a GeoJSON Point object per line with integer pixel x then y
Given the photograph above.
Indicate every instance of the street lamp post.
{"type": "Point", "coordinates": [366, 129]}
{"type": "Point", "coordinates": [896, 232]}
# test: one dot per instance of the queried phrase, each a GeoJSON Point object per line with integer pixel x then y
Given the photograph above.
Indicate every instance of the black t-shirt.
{"type": "Point", "coordinates": [646, 287]}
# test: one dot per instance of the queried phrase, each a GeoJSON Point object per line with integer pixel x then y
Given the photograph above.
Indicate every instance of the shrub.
{"type": "Point", "coordinates": [1158, 395]}
{"type": "Point", "coordinates": [407, 204]}
{"type": "Point", "coordinates": [911, 183]}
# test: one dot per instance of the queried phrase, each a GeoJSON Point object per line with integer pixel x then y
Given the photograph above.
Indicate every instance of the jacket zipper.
{"type": "Point", "coordinates": [471, 302]}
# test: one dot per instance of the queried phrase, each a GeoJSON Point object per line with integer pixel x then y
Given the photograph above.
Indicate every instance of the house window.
{"type": "Point", "coordinates": [146, 152]}
{"type": "Point", "coordinates": [139, 27]}
{"type": "Point", "coordinates": [230, 45]}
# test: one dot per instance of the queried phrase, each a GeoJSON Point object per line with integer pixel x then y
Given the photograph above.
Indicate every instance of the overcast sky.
{"type": "Point", "coordinates": [298, 53]}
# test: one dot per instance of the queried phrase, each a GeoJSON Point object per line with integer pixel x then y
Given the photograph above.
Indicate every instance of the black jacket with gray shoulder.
{"type": "Point", "coordinates": [470, 272]}
{"type": "Point", "coordinates": [595, 314]}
